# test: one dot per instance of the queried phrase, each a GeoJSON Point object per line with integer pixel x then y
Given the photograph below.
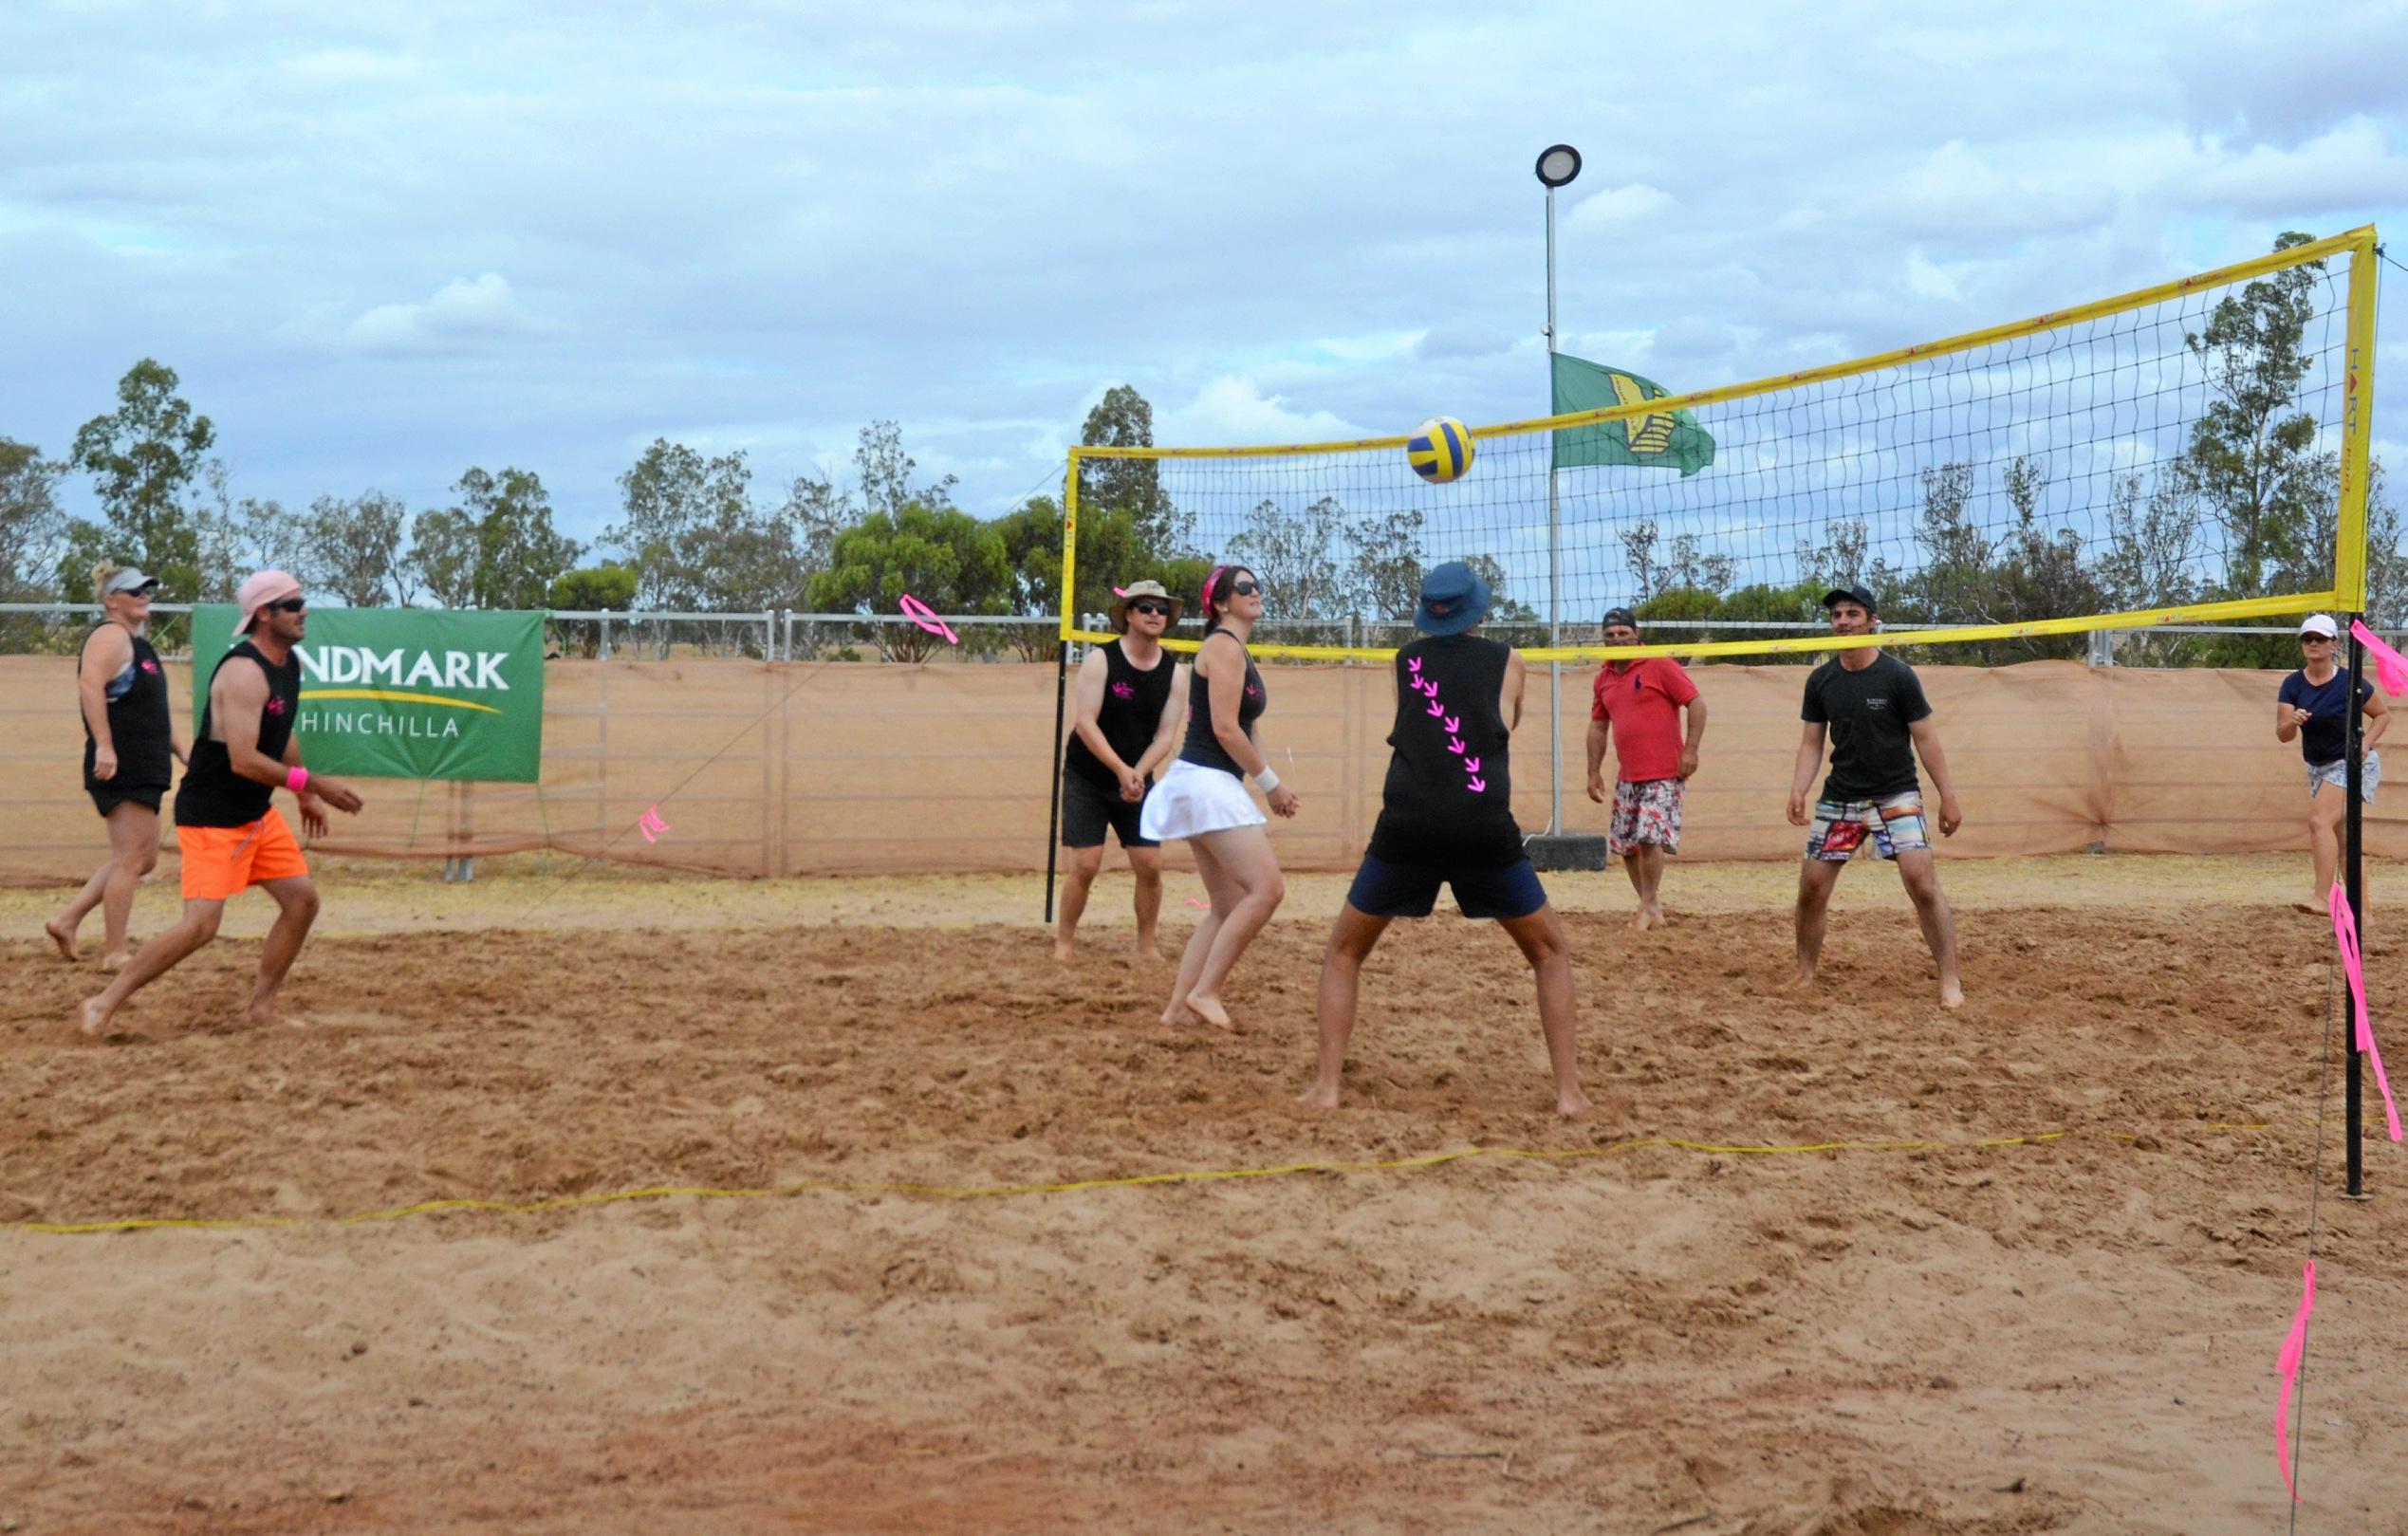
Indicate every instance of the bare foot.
{"type": "Point", "coordinates": [1318, 1097]}
{"type": "Point", "coordinates": [1658, 917]}
{"type": "Point", "coordinates": [64, 938]}
{"type": "Point", "coordinates": [1804, 980]}
{"type": "Point", "coordinates": [1211, 1011]}
{"type": "Point", "coordinates": [260, 1016]}
{"type": "Point", "coordinates": [1149, 950]}
{"type": "Point", "coordinates": [1064, 949]}
{"type": "Point", "coordinates": [92, 1018]}
{"type": "Point", "coordinates": [1179, 1013]}
{"type": "Point", "coordinates": [1639, 923]}
{"type": "Point", "coordinates": [116, 962]}
{"type": "Point", "coordinates": [1952, 995]}
{"type": "Point", "coordinates": [2313, 908]}
{"type": "Point", "coordinates": [1571, 1104]}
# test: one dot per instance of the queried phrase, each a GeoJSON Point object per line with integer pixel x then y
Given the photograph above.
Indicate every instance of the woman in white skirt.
{"type": "Point", "coordinates": [1203, 799]}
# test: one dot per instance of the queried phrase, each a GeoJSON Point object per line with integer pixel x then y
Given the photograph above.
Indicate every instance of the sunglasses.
{"type": "Point", "coordinates": [1162, 609]}
{"type": "Point", "coordinates": [288, 605]}
{"type": "Point", "coordinates": [2316, 639]}
{"type": "Point", "coordinates": [1245, 588]}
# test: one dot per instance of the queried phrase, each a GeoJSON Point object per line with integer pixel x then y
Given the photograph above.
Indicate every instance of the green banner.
{"type": "Point", "coordinates": [407, 692]}
{"type": "Point", "coordinates": [1666, 441]}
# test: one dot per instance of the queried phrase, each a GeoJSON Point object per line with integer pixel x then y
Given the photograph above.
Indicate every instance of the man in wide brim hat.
{"type": "Point", "coordinates": [1123, 596]}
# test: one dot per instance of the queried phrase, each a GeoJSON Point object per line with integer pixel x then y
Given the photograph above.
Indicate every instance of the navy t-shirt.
{"type": "Point", "coordinates": [2326, 734]}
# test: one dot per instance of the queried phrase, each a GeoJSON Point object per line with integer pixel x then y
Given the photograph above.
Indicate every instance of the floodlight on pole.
{"type": "Point", "coordinates": [1558, 164]}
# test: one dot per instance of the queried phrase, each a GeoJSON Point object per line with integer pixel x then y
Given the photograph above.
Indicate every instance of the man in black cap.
{"type": "Point", "coordinates": [1871, 708]}
{"type": "Point", "coordinates": [1446, 818]}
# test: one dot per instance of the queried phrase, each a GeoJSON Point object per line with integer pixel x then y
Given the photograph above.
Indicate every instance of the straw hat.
{"type": "Point", "coordinates": [1141, 589]}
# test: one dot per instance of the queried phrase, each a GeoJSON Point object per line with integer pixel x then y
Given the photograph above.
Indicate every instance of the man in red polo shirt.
{"type": "Point", "coordinates": [1638, 708]}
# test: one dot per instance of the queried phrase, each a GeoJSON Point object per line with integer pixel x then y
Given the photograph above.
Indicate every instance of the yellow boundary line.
{"type": "Point", "coordinates": [996, 1192]}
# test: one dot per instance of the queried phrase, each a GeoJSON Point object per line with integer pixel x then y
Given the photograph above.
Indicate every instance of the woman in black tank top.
{"type": "Point", "coordinates": [1203, 800]}
{"type": "Point", "coordinates": [129, 736]}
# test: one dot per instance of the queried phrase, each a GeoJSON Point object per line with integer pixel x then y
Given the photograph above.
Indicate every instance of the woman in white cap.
{"type": "Point", "coordinates": [129, 734]}
{"type": "Point", "coordinates": [2314, 707]}
{"type": "Point", "coordinates": [1203, 799]}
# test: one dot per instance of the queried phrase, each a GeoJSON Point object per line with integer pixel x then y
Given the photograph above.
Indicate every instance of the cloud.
{"type": "Point", "coordinates": [2353, 167]}
{"type": "Point", "coordinates": [1233, 411]}
{"type": "Point", "coordinates": [764, 224]}
{"type": "Point", "coordinates": [1616, 205]}
{"type": "Point", "coordinates": [463, 314]}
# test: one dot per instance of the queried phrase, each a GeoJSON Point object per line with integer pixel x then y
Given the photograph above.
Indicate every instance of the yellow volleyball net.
{"type": "Point", "coordinates": [2192, 453]}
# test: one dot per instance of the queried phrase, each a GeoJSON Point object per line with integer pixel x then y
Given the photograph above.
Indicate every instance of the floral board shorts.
{"type": "Point", "coordinates": [1895, 823]}
{"type": "Point", "coordinates": [1648, 811]}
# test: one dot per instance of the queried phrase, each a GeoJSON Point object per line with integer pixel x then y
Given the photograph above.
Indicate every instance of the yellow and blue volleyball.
{"type": "Point", "coordinates": [1440, 449]}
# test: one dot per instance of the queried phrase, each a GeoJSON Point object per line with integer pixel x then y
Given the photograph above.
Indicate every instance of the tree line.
{"type": "Point", "coordinates": [695, 534]}
{"type": "Point", "coordinates": [2247, 508]}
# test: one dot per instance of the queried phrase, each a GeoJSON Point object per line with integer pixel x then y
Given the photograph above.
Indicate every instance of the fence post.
{"type": "Point", "coordinates": [605, 622]}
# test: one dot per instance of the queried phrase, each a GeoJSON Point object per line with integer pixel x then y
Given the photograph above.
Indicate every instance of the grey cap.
{"type": "Point", "coordinates": [129, 579]}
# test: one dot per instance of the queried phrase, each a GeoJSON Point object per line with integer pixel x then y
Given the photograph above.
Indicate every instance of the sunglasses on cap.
{"type": "Point", "coordinates": [1160, 609]}
{"type": "Point", "coordinates": [286, 605]}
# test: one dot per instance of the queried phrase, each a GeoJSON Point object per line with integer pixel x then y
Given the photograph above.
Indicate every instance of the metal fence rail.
{"type": "Point", "coordinates": [790, 634]}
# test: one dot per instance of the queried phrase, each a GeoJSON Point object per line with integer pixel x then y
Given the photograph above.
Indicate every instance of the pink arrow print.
{"type": "Point", "coordinates": [1471, 765]}
{"type": "Point", "coordinates": [1436, 708]}
{"type": "Point", "coordinates": [650, 823]}
{"type": "Point", "coordinates": [1452, 724]}
{"type": "Point", "coordinates": [1412, 663]}
{"type": "Point", "coordinates": [1454, 744]}
{"type": "Point", "coordinates": [1478, 783]}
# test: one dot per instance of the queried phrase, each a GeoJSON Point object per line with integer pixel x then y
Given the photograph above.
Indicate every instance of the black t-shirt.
{"type": "Point", "coordinates": [1442, 808]}
{"type": "Point", "coordinates": [1132, 712]}
{"type": "Point", "coordinates": [2324, 738]}
{"type": "Point", "coordinates": [1868, 711]}
{"type": "Point", "coordinates": [139, 731]}
{"type": "Point", "coordinates": [1202, 747]}
{"type": "Point", "coordinates": [212, 794]}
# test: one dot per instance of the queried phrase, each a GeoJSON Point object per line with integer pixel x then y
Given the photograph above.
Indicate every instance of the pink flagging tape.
{"type": "Point", "coordinates": [2286, 1365]}
{"type": "Point", "coordinates": [2362, 1035]}
{"type": "Point", "coordinates": [2391, 668]}
{"type": "Point", "coordinates": [650, 823]}
{"type": "Point", "coordinates": [919, 613]}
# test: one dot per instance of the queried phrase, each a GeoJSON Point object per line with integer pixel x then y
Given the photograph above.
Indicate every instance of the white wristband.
{"type": "Point", "coordinates": [1268, 780]}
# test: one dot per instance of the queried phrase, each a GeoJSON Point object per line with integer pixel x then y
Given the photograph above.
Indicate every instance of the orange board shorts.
{"type": "Point", "coordinates": [223, 862]}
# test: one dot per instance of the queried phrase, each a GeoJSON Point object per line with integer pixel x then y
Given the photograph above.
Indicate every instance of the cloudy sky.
{"type": "Point", "coordinates": [384, 242]}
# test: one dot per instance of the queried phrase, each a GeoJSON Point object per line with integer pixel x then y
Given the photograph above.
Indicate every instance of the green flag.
{"type": "Point", "coordinates": [407, 692]}
{"type": "Point", "coordinates": [1669, 440]}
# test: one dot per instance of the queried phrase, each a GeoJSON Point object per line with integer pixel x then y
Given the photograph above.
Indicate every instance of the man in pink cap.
{"type": "Point", "coordinates": [228, 831]}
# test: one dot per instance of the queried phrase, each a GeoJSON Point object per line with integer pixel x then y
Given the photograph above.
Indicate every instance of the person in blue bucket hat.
{"type": "Point", "coordinates": [1446, 818]}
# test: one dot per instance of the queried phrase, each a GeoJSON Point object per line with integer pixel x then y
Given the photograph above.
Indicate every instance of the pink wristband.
{"type": "Point", "coordinates": [297, 780]}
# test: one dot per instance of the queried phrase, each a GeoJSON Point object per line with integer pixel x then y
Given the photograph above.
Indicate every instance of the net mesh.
{"type": "Point", "coordinates": [2171, 455]}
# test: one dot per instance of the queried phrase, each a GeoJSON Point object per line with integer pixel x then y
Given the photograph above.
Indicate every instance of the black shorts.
{"type": "Point", "coordinates": [1385, 890]}
{"type": "Point", "coordinates": [106, 797]}
{"type": "Point", "coordinates": [1087, 808]}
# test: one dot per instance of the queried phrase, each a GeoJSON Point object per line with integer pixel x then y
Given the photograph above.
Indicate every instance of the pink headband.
{"type": "Point", "coordinates": [1207, 604]}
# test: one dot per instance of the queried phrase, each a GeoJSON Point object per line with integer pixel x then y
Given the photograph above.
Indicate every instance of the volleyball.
{"type": "Point", "coordinates": [1440, 449]}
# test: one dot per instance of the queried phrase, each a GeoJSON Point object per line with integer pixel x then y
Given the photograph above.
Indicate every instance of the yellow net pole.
{"type": "Point", "coordinates": [2358, 414]}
